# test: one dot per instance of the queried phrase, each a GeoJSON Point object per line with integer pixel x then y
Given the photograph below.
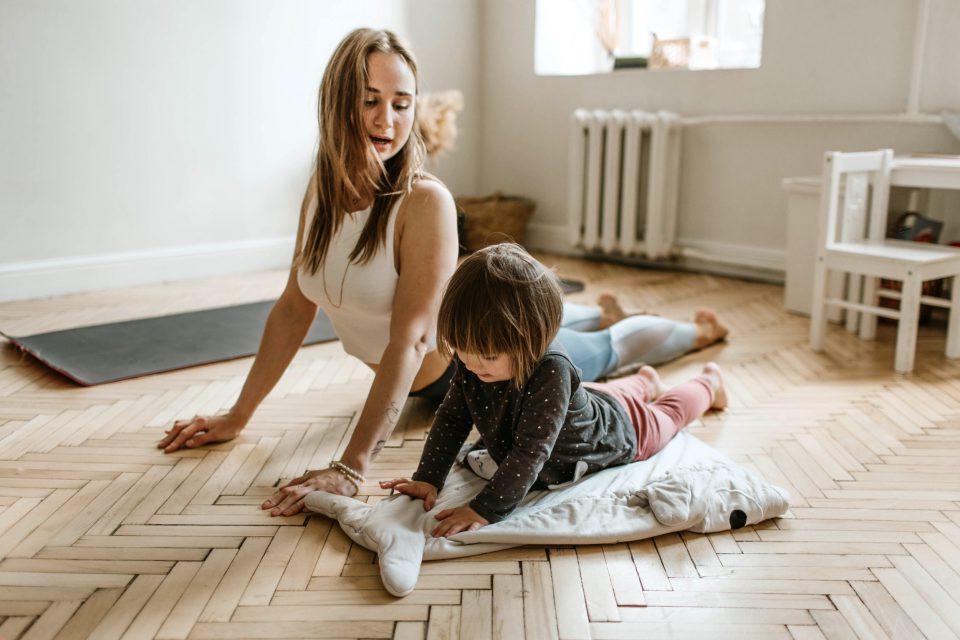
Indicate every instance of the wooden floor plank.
{"type": "Point", "coordinates": [508, 600]}
{"type": "Point", "coordinates": [444, 623]}
{"type": "Point", "coordinates": [858, 617]}
{"type": "Point", "coordinates": [933, 593]}
{"type": "Point", "coordinates": [912, 603]}
{"type": "Point", "coordinates": [476, 615]}
{"type": "Point", "coordinates": [597, 585]}
{"type": "Point", "coordinates": [568, 594]}
{"type": "Point", "coordinates": [161, 603]}
{"type": "Point", "coordinates": [300, 568]}
{"type": "Point", "coordinates": [188, 608]}
{"type": "Point", "coordinates": [228, 593]}
{"type": "Point", "coordinates": [632, 630]}
{"type": "Point", "coordinates": [51, 621]}
{"type": "Point", "coordinates": [269, 570]}
{"type": "Point", "coordinates": [624, 578]}
{"type": "Point", "coordinates": [115, 622]}
{"type": "Point", "coordinates": [296, 629]}
{"type": "Point", "coordinates": [540, 618]}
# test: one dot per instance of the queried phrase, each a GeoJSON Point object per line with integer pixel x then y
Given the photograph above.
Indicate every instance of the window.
{"type": "Point", "coordinates": [576, 37]}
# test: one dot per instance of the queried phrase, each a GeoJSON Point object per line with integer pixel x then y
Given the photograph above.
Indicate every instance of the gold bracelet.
{"type": "Point", "coordinates": [349, 478]}
{"type": "Point", "coordinates": [349, 472]}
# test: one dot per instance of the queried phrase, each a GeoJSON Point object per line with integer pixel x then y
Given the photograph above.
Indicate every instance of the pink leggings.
{"type": "Point", "coordinates": [659, 421]}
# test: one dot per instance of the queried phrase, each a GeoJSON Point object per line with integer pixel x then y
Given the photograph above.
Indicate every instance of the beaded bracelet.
{"type": "Point", "coordinates": [354, 476]}
{"type": "Point", "coordinates": [347, 470]}
{"type": "Point", "coordinates": [349, 478]}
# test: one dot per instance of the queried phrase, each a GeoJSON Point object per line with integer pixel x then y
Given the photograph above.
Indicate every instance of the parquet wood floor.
{"type": "Point", "coordinates": [103, 536]}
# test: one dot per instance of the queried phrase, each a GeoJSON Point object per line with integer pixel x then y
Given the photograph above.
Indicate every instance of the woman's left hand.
{"type": "Point", "coordinates": [288, 500]}
{"type": "Point", "coordinates": [456, 520]}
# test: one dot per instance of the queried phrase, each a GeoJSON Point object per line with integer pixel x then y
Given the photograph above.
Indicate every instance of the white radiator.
{"type": "Point", "coordinates": [624, 170]}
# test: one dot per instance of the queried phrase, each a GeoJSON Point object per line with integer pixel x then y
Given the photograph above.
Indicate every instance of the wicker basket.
{"type": "Point", "coordinates": [495, 218]}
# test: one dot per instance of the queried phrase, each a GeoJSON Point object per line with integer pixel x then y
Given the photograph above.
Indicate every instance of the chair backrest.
{"type": "Point", "coordinates": [849, 181]}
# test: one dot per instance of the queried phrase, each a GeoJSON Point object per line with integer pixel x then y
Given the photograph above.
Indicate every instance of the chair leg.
{"type": "Point", "coordinates": [853, 295]}
{"type": "Point", "coordinates": [836, 288]}
{"type": "Point", "coordinates": [868, 321]}
{"type": "Point", "coordinates": [953, 320]}
{"type": "Point", "coordinates": [818, 311]}
{"type": "Point", "coordinates": [907, 327]}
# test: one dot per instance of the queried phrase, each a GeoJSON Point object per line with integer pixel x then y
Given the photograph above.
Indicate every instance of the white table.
{"type": "Point", "coordinates": [929, 173]}
{"type": "Point", "coordinates": [803, 214]}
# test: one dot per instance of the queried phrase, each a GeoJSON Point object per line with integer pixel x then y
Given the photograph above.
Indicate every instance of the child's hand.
{"type": "Point", "coordinates": [457, 520]}
{"type": "Point", "coordinates": [413, 488]}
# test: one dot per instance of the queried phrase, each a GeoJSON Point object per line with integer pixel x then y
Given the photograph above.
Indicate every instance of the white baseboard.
{"type": "Point", "coordinates": [737, 255]}
{"type": "Point", "coordinates": [701, 255]}
{"type": "Point", "coordinates": [44, 278]}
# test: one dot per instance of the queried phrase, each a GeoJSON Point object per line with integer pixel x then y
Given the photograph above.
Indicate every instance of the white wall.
{"type": "Point", "coordinates": [819, 57]}
{"type": "Point", "coordinates": [445, 35]}
{"type": "Point", "coordinates": [165, 139]}
{"type": "Point", "coordinates": [147, 140]}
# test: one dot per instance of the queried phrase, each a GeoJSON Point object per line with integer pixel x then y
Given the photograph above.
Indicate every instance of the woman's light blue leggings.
{"type": "Point", "coordinates": [636, 339]}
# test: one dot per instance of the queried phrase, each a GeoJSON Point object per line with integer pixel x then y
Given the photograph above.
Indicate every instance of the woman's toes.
{"type": "Point", "coordinates": [709, 328]}
{"type": "Point", "coordinates": [611, 312]}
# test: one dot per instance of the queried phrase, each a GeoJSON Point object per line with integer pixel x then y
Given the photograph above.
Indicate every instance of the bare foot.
{"type": "Point", "coordinates": [709, 329]}
{"type": "Point", "coordinates": [611, 312]}
{"type": "Point", "coordinates": [654, 384]}
{"type": "Point", "coordinates": [711, 371]}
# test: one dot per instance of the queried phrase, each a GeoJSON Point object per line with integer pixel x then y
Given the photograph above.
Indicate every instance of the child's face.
{"type": "Point", "coordinates": [495, 368]}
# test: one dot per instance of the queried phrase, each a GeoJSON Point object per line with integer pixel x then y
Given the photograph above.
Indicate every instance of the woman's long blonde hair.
{"type": "Point", "coordinates": [348, 168]}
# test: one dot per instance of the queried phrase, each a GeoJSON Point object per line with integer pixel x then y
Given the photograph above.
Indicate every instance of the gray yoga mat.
{"type": "Point", "coordinates": [121, 350]}
{"type": "Point", "coordinates": [571, 286]}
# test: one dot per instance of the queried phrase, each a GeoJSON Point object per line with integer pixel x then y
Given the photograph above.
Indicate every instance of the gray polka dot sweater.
{"type": "Point", "coordinates": [536, 434]}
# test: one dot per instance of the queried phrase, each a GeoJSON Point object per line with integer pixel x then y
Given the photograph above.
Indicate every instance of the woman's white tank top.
{"type": "Point", "coordinates": [358, 298]}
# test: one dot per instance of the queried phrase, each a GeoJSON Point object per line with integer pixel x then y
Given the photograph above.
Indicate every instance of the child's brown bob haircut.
{"type": "Point", "coordinates": [501, 300]}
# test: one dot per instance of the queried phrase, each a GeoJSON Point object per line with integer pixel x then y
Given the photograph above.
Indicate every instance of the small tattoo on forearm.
{"type": "Point", "coordinates": [393, 416]}
{"type": "Point", "coordinates": [393, 413]}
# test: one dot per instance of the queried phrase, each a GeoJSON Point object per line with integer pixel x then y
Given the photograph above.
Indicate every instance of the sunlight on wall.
{"type": "Point", "coordinates": [581, 37]}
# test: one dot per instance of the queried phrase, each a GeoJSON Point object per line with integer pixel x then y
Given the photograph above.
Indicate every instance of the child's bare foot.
{"type": "Point", "coordinates": [711, 371]}
{"type": "Point", "coordinates": [709, 329]}
{"type": "Point", "coordinates": [654, 384]}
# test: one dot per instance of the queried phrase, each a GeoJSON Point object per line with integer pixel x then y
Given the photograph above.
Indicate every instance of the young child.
{"type": "Point", "coordinates": [499, 314]}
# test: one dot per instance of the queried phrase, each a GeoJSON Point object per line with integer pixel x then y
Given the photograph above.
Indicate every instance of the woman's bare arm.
{"type": "Point", "coordinates": [427, 258]}
{"type": "Point", "coordinates": [287, 325]}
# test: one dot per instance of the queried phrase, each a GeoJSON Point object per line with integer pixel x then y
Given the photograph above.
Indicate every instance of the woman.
{"type": "Point", "coordinates": [376, 242]}
{"type": "Point", "coordinates": [378, 271]}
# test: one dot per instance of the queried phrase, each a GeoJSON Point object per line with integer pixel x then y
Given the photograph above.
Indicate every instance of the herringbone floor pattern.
{"type": "Point", "coordinates": [103, 536]}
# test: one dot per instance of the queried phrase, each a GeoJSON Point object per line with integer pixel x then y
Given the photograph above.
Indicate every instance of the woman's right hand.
{"type": "Point", "coordinates": [415, 489]}
{"type": "Point", "coordinates": [289, 499]}
{"type": "Point", "coordinates": [200, 430]}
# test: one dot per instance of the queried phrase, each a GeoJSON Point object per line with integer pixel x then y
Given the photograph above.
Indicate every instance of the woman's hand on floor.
{"type": "Point", "coordinates": [456, 520]}
{"type": "Point", "coordinates": [413, 488]}
{"type": "Point", "coordinates": [200, 430]}
{"type": "Point", "coordinates": [288, 500]}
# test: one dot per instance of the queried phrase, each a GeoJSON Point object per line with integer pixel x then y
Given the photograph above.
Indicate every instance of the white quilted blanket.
{"type": "Point", "coordinates": [688, 485]}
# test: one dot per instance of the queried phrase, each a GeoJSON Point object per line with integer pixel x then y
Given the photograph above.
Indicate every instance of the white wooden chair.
{"type": "Point", "coordinates": [851, 242]}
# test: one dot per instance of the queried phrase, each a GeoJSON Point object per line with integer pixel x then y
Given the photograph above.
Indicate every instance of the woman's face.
{"type": "Point", "coordinates": [389, 103]}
